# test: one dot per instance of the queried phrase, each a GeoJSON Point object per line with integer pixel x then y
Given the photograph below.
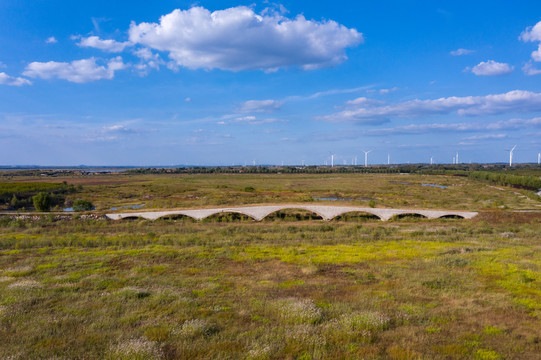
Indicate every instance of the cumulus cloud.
{"type": "Point", "coordinates": [149, 60]}
{"type": "Point", "coordinates": [363, 111]}
{"type": "Point", "coordinates": [5, 79]}
{"type": "Point", "coordinates": [533, 34]}
{"type": "Point", "coordinates": [252, 106]}
{"type": "Point", "coordinates": [237, 39]}
{"type": "Point", "coordinates": [460, 52]}
{"type": "Point", "coordinates": [51, 40]}
{"type": "Point", "coordinates": [491, 68]}
{"type": "Point", "coordinates": [78, 71]}
{"type": "Point", "coordinates": [105, 45]}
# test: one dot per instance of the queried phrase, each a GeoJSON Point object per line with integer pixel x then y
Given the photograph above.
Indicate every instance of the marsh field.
{"type": "Point", "coordinates": [289, 287]}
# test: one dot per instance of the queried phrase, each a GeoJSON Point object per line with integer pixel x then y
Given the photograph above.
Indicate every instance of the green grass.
{"type": "Point", "coordinates": [209, 190]}
{"type": "Point", "coordinates": [287, 288]}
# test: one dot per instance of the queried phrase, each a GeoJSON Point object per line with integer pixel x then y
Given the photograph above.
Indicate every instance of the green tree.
{"type": "Point", "coordinates": [14, 201]}
{"type": "Point", "coordinates": [42, 201]}
{"type": "Point", "coordinates": [82, 205]}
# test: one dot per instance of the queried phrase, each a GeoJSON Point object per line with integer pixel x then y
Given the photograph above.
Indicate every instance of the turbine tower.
{"type": "Point", "coordinates": [431, 162]}
{"type": "Point", "coordinates": [388, 159]}
{"type": "Point", "coordinates": [457, 157]}
{"type": "Point", "coordinates": [511, 155]}
{"type": "Point", "coordinates": [538, 158]}
{"type": "Point", "coordinates": [366, 157]}
{"type": "Point", "coordinates": [332, 160]}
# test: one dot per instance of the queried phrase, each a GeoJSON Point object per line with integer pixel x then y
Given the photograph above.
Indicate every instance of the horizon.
{"type": "Point", "coordinates": [139, 83]}
{"type": "Point", "coordinates": [179, 166]}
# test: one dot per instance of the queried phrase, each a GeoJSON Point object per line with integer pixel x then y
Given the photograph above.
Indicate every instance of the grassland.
{"type": "Point", "coordinates": [286, 289]}
{"type": "Point", "coordinates": [209, 190]}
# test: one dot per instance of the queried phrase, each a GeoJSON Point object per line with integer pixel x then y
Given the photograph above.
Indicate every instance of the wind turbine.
{"type": "Point", "coordinates": [511, 155]}
{"type": "Point", "coordinates": [332, 160]}
{"type": "Point", "coordinates": [538, 158]}
{"type": "Point", "coordinates": [388, 159]}
{"type": "Point", "coordinates": [457, 157]}
{"type": "Point", "coordinates": [366, 157]}
{"type": "Point", "coordinates": [431, 162]}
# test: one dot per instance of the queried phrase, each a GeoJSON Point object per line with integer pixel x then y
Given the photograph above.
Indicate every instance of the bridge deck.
{"type": "Point", "coordinates": [259, 212]}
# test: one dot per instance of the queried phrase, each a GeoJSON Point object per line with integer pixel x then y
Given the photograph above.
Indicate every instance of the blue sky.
{"type": "Point", "coordinates": [222, 82]}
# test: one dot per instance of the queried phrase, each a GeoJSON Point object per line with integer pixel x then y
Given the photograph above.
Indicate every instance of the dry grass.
{"type": "Point", "coordinates": [283, 289]}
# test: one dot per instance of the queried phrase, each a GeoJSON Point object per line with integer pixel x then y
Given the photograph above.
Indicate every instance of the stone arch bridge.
{"type": "Point", "coordinates": [259, 212]}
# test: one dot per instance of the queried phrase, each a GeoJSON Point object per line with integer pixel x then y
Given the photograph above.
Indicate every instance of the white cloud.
{"type": "Point", "coordinates": [363, 101]}
{"type": "Point", "coordinates": [149, 60]}
{"type": "Point", "coordinates": [326, 93]}
{"type": "Point", "coordinates": [252, 106]}
{"type": "Point", "coordinates": [460, 52]}
{"type": "Point", "coordinates": [105, 45]}
{"type": "Point", "coordinates": [529, 69]}
{"type": "Point", "coordinates": [51, 40]}
{"type": "Point", "coordinates": [532, 33]}
{"type": "Point", "coordinates": [5, 79]}
{"type": "Point", "coordinates": [239, 39]}
{"type": "Point", "coordinates": [486, 137]}
{"type": "Point", "coordinates": [118, 129]}
{"type": "Point", "coordinates": [386, 91]}
{"type": "Point", "coordinates": [491, 68]}
{"type": "Point", "coordinates": [536, 55]}
{"type": "Point", "coordinates": [250, 120]}
{"type": "Point", "coordinates": [512, 124]}
{"type": "Point", "coordinates": [245, 119]}
{"type": "Point", "coordinates": [363, 111]}
{"type": "Point", "coordinates": [78, 71]}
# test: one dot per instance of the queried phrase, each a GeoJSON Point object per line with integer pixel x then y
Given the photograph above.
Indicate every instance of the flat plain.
{"type": "Point", "coordinates": [290, 287]}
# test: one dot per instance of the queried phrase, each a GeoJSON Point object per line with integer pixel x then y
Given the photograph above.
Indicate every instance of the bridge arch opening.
{"type": "Point", "coordinates": [227, 216]}
{"type": "Point", "coordinates": [408, 217]}
{"type": "Point", "coordinates": [356, 216]}
{"type": "Point", "coordinates": [134, 217]}
{"type": "Point", "coordinates": [452, 217]}
{"type": "Point", "coordinates": [292, 214]}
{"type": "Point", "coordinates": [177, 218]}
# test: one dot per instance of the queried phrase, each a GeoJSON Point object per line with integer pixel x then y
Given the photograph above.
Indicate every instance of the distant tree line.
{"type": "Point", "coordinates": [520, 181]}
{"type": "Point", "coordinates": [443, 169]}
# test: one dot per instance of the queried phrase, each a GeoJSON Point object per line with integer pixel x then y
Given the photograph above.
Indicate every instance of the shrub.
{"type": "Point", "coordinates": [42, 201]}
{"type": "Point", "coordinates": [82, 205]}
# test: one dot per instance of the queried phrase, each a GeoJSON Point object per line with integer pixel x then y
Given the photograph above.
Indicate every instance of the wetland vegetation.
{"type": "Point", "coordinates": [290, 287]}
